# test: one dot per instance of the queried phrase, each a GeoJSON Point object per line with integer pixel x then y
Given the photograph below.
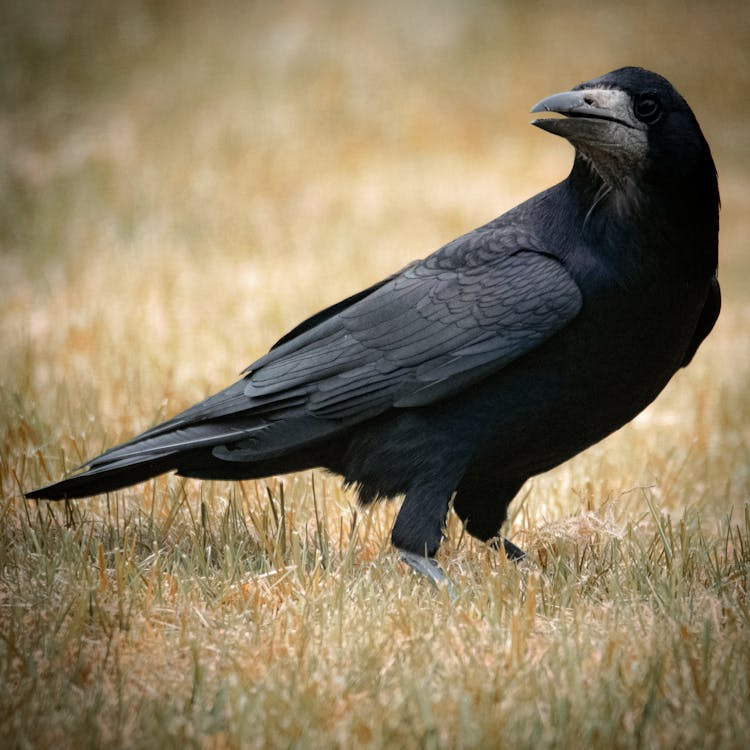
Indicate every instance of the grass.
{"type": "Point", "coordinates": [180, 188]}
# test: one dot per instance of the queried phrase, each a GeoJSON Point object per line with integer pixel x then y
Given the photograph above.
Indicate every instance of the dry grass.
{"type": "Point", "coordinates": [177, 190]}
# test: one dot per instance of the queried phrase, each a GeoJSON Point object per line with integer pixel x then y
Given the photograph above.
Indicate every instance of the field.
{"type": "Point", "coordinates": [179, 188]}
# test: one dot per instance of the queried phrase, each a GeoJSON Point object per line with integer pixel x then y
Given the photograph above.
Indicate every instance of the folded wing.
{"type": "Point", "coordinates": [425, 334]}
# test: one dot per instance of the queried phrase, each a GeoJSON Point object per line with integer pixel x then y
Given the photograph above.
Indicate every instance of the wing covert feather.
{"type": "Point", "coordinates": [424, 334]}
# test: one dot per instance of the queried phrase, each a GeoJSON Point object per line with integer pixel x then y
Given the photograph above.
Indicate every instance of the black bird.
{"type": "Point", "coordinates": [499, 356]}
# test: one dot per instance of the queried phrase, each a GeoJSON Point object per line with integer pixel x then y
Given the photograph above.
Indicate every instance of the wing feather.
{"type": "Point", "coordinates": [424, 334]}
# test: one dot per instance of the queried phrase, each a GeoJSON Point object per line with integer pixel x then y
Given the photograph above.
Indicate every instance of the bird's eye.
{"type": "Point", "coordinates": [647, 109]}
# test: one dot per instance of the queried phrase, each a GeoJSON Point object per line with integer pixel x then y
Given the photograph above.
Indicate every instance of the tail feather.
{"type": "Point", "coordinates": [144, 457]}
{"type": "Point", "coordinates": [225, 436]}
{"type": "Point", "coordinates": [107, 478]}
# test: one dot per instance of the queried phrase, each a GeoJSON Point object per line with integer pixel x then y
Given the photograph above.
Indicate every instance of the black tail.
{"type": "Point", "coordinates": [103, 479]}
{"type": "Point", "coordinates": [187, 439]}
{"type": "Point", "coordinates": [220, 438]}
{"type": "Point", "coordinates": [147, 456]}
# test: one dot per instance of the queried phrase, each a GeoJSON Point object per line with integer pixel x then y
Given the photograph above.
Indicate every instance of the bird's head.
{"type": "Point", "coordinates": [642, 142]}
{"type": "Point", "coordinates": [630, 124]}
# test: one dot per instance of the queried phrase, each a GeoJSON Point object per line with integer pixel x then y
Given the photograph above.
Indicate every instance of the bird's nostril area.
{"type": "Point", "coordinates": [588, 100]}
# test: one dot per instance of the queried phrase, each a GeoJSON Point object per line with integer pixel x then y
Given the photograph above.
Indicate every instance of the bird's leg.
{"type": "Point", "coordinates": [418, 532]}
{"type": "Point", "coordinates": [481, 502]}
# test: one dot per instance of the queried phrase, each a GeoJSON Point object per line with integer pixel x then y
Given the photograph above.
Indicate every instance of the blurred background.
{"type": "Point", "coordinates": [181, 183]}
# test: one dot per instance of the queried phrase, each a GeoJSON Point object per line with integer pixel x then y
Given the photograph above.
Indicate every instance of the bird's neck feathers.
{"type": "Point", "coordinates": [609, 209]}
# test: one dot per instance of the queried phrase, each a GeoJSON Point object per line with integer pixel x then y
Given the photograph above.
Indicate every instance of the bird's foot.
{"type": "Point", "coordinates": [430, 569]}
{"type": "Point", "coordinates": [516, 554]}
{"type": "Point", "coordinates": [511, 551]}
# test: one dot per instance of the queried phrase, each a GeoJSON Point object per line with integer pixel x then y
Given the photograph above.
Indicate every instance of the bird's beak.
{"type": "Point", "coordinates": [589, 113]}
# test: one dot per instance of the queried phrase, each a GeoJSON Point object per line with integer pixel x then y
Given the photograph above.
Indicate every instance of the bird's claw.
{"type": "Point", "coordinates": [516, 554]}
{"type": "Point", "coordinates": [430, 569]}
